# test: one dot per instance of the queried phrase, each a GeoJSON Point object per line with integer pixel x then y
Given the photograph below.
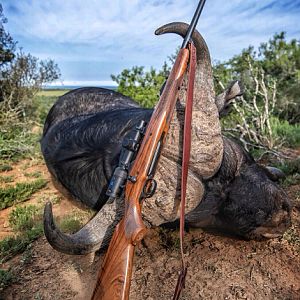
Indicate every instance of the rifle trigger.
{"type": "Point", "coordinates": [149, 188]}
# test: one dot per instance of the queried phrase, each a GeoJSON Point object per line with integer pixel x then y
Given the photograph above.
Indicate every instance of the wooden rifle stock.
{"type": "Point", "coordinates": [114, 279]}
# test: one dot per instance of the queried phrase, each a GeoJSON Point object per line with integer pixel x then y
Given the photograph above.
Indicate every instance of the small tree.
{"type": "Point", "coordinates": [277, 58]}
{"type": "Point", "coordinates": [265, 117]}
{"type": "Point", "coordinates": [7, 44]}
{"type": "Point", "coordinates": [21, 79]}
{"type": "Point", "coordinates": [252, 121]}
{"type": "Point", "coordinates": [21, 76]}
{"type": "Point", "coordinates": [142, 86]}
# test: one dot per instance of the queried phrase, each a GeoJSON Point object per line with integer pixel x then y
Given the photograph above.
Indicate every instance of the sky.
{"type": "Point", "coordinates": [92, 39]}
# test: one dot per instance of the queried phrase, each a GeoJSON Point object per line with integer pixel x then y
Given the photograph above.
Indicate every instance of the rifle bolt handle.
{"type": "Point", "coordinates": [132, 178]}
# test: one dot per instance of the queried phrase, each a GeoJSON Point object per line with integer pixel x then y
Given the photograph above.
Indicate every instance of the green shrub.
{"type": "Point", "coordinates": [24, 218]}
{"type": "Point", "coordinates": [20, 192]}
{"type": "Point", "coordinates": [141, 85]}
{"type": "Point", "coordinates": [17, 143]}
{"type": "Point", "coordinates": [290, 167]}
{"type": "Point", "coordinates": [291, 180]}
{"type": "Point", "coordinates": [290, 134]}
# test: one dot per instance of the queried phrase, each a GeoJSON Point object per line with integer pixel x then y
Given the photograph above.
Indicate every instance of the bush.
{"type": "Point", "coordinates": [267, 115]}
{"type": "Point", "coordinates": [279, 60]}
{"type": "Point", "coordinates": [6, 278]}
{"type": "Point", "coordinates": [18, 142]}
{"type": "Point", "coordinates": [21, 79]}
{"type": "Point", "coordinates": [140, 85]}
{"type": "Point", "coordinates": [290, 134]}
{"type": "Point", "coordinates": [290, 167]}
{"type": "Point", "coordinates": [21, 76]}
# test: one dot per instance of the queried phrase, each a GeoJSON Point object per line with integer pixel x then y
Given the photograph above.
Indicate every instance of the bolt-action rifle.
{"type": "Point", "coordinates": [145, 145]}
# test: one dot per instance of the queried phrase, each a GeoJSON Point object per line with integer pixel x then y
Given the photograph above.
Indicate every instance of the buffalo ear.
{"type": "Point", "coordinates": [274, 173]}
{"type": "Point", "coordinates": [224, 100]}
{"type": "Point", "coordinates": [234, 90]}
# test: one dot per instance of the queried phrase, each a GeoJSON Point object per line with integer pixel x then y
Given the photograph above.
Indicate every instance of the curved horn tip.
{"type": "Point", "coordinates": [157, 31]}
{"type": "Point", "coordinates": [58, 240]}
{"type": "Point", "coordinates": [79, 243]}
{"type": "Point", "coordinates": [49, 225]}
{"type": "Point", "coordinates": [181, 29]}
{"type": "Point", "coordinates": [48, 216]}
{"type": "Point", "coordinates": [165, 28]}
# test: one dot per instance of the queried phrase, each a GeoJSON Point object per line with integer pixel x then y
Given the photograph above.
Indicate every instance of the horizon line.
{"type": "Point", "coordinates": [83, 83]}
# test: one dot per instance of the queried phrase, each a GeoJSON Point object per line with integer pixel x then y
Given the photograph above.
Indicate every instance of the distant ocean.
{"type": "Point", "coordinates": [72, 87]}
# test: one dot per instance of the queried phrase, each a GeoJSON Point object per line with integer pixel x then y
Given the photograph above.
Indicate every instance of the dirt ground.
{"type": "Point", "coordinates": [219, 267]}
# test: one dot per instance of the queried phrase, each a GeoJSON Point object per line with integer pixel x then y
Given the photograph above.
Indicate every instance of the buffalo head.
{"type": "Point", "coordinates": [243, 198]}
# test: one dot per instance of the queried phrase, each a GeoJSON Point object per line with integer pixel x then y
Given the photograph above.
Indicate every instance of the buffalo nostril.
{"type": "Point", "coordinates": [286, 206]}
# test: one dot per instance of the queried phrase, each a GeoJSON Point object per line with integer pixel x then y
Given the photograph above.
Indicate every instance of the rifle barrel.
{"type": "Point", "coordinates": [193, 23]}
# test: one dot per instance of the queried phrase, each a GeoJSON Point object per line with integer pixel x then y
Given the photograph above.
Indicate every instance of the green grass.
{"type": "Point", "coordinates": [36, 174]}
{"type": "Point", "coordinates": [70, 223]}
{"type": "Point", "coordinates": [52, 93]}
{"type": "Point", "coordinates": [6, 179]}
{"type": "Point", "coordinates": [27, 256]}
{"type": "Point", "coordinates": [291, 168]}
{"type": "Point", "coordinates": [24, 218]}
{"type": "Point", "coordinates": [13, 245]}
{"type": "Point", "coordinates": [5, 167]}
{"type": "Point", "coordinates": [286, 132]}
{"type": "Point", "coordinates": [256, 153]}
{"type": "Point", "coordinates": [26, 222]}
{"type": "Point", "coordinates": [42, 103]}
{"type": "Point", "coordinates": [291, 180]}
{"type": "Point", "coordinates": [75, 220]}
{"type": "Point", "coordinates": [6, 278]}
{"type": "Point", "coordinates": [12, 195]}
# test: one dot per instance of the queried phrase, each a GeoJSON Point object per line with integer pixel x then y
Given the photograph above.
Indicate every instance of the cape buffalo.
{"type": "Point", "coordinates": [227, 190]}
